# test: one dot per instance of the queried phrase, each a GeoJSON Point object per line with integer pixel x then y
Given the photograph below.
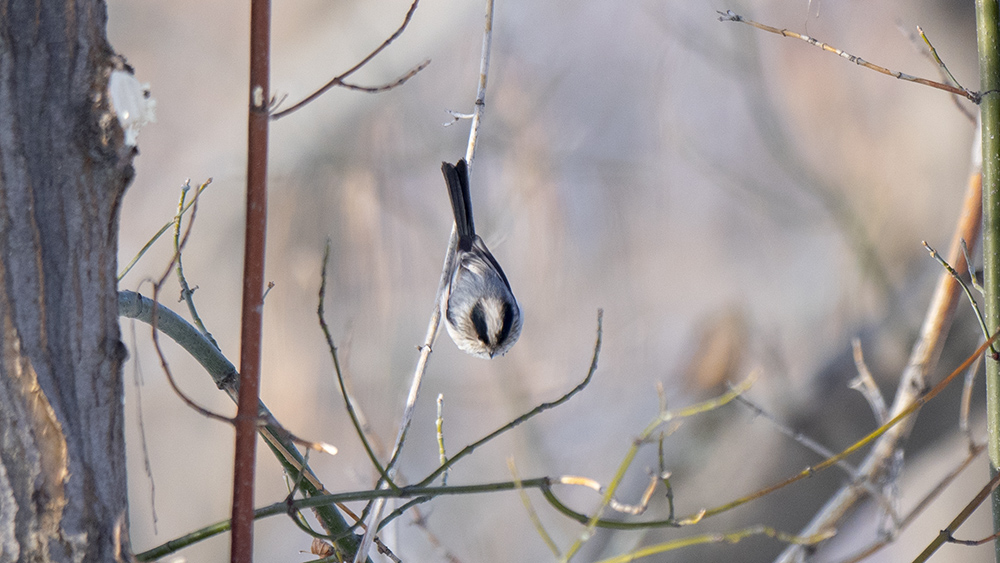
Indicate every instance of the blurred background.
{"type": "Point", "coordinates": [732, 199]}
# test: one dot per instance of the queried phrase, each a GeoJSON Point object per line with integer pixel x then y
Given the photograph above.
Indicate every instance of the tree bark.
{"type": "Point", "coordinates": [63, 171]}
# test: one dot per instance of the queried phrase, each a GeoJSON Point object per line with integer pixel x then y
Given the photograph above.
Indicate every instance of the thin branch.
{"type": "Point", "coordinates": [154, 318]}
{"type": "Point", "coordinates": [864, 383]}
{"type": "Point", "coordinates": [435, 320]}
{"type": "Point", "coordinates": [945, 535]}
{"type": "Point", "coordinates": [729, 15]}
{"type": "Point", "coordinates": [664, 417]}
{"type": "Point", "coordinates": [138, 382]}
{"type": "Point", "coordinates": [355, 419]}
{"type": "Point", "coordinates": [439, 430]}
{"type": "Point", "coordinates": [142, 251]}
{"type": "Point", "coordinates": [972, 271]}
{"type": "Point", "coordinates": [920, 41]}
{"type": "Point", "coordinates": [965, 287]}
{"type": "Point", "coordinates": [484, 70]}
{"type": "Point", "coordinates": [389, 85]}
{"type": "Point", "coordinates": [420, 521]}
{"type": "Point", "coordinates": [798, 437]}
{"type": "Point", "coordinates": [937, 59]}
{"type": "Point", "coordinates": [339, 80]}
{"type": "Point", "coordinates": [187, 294]}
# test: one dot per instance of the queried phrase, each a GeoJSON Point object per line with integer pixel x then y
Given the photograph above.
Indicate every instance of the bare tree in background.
{"type": "Point", "coordinates": [63, 171]}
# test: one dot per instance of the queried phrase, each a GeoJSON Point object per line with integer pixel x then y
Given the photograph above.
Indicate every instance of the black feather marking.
{"type": "Point", "coordinates": [457, 177]}
{"type": "Point", "coordinates": [478, 317]}
{"type": "Point", "coordinates": [508, 322]}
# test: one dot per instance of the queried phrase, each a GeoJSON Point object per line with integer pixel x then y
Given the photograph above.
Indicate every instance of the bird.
{"type": "Point", "coordinates": [480, 311]}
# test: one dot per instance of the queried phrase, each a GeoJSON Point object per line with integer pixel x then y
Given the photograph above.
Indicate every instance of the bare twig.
{"type": "Point", "coordinates": [348, 403]}
{"type": "Point", "coordinates": [339, 80]}
{"type": "Point", "coordinates": [389, 85]}
{"type": "Point", "coordinates": [187, 294]}
{"type": "Point", "coordinates": [729, 15]}
{"type": "Point", "coordinates": [439, 430]}
{"type": "Point", "coordinates": [137, 380]}
{"type": "Point", "coordinates": [154, 318]}
{"type": "Point", "coordinates": [484, 70]}
{"type": "Point", "coordinates": [972, 271]}
{"type": "Point", "coordinates": [937, 59]}
{"type": "Point", "coordinates": [884, 501]}
{"type": "Point", "coordinates": [968, 293]}
{"type": "Point", "coordinates": [946, 534]}
{"type": "Point", "coordinates": [864, 383]}
{"type": "Point", "coordinates": [662, 418]}
{"type": "Point", "coordinates": [128, 267]}
{"type": "Point", "coordinates": [420, 521]}
{"type": "Point", "coordinates": [434, 323]}
{"type": "Point", "coordinates": [809, 443]}
{"type": "Point", "coordinates": [613, 503]}
{"type": "Point", "coordinates": [923, 46]}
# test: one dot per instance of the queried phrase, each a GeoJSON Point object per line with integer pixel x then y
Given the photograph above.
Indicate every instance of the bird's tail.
{"type": "Point", "coordinates": [457, 176]}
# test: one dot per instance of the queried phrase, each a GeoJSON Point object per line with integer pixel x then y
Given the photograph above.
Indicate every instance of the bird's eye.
{"type": "Point", "coordinates": [508, 321]}
{"type": "Point", "coordinates": [478, 317]}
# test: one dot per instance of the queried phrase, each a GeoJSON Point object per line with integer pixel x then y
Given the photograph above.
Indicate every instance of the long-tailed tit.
{"type": "Point", "coordinates": [479, 309]}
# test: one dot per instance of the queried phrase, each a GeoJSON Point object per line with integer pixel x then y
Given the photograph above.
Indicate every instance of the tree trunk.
{"type": "Point", "coordinates": [63, 171]}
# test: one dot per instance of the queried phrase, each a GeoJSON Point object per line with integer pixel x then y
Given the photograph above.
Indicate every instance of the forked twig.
{"type": "Point", "coordinates": [187, 294]}
{"type": "Point", "coordinates": [142, 251]}
{"type": "Point", "coordinates": [920, 40]}
{"type": "Point", "coordinates": [339, 80]}
{"type": "Point", "coordinates": [729, 15]}
{"type": "Point", "coordinates": [937, 59]}
{"type": "Point", "coordinates": [864, 383]}
{"type": "Point", "coordinates": [945, 535]}
{"type": "Point", "coordinates": [157, 285]}
{"type": "Point", "coordinates": [965, 287]}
